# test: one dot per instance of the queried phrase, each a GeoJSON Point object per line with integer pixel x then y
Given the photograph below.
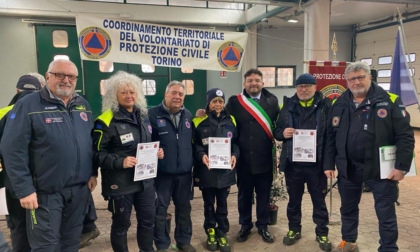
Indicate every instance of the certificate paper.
{"type": "Point", "coordinates": [304, 146]}
{"type": "Point", "coordinates": [387, 156]}
{"type": "Point", "coordinates": [147, 160]}
{"type": "Point", "coordinates": [219, 153]}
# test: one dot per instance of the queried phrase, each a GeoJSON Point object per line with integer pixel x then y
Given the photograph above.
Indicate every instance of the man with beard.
{"type": "Point", "coordinates": [362, 120]}
{"type": "Point", "coordinates": [255, 111]}
{"type": "Point", "coordinates": [47, 151]}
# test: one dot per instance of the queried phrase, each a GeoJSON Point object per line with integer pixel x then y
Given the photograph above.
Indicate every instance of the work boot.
{"type": "Point", "coordinates": [186, 247]}
{"type": "Point", "coordinates": [211, 240]}
{"type": "Point", "coordinates": [291, 237]}
{"type": "Point", "coordinates": [223, 243]}
{"type": "Point", "coordinates": [324, 243]}
{"type": "Point", "coordinates": [86, 237]}
{"type": "Point", "coordinates": [346, 247]}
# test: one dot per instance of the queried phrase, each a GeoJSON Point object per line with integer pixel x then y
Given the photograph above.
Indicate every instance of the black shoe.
{"type": "Point", "coordinates": [291, 237]}
{"type": "Point", "coordinates": [186, 247]}
{"type": "Point", "coordinates": [324, 243]}
{"type": "Point", "coordinates": [243, 234]}
{"type": "Point", "coordinates": [266, 236]}
{"type": "Point", "coordinates": [86, 237]}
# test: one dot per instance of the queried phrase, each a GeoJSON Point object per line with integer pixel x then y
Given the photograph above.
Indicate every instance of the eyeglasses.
{"type": "Point", "coordinates": [359, 78]}
{"type": "Point", "coordinates": [62, 76]}
{"type": "Point", "coordinates": [300, 87]}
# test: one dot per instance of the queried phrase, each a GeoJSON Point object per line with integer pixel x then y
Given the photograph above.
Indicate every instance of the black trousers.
{"type": "Point", "coordinates": [316, 181]}
{"type": "Point", "coordinates": [385, 194]}
{"type": "Point", "coordinates": [58, 221]}
{"type": "Point", "coordinates": [144, 203]}
{"type": "Point", "coordinates": [16, 221]}
{"type": "Point", "coordinates": [216, 218]}
{"type": "Point", "coordinates": [90, 218]}
{"type": "Point", "coordinates": [247, 182]}
{"type": "Point", "coordinates": [179, 188]}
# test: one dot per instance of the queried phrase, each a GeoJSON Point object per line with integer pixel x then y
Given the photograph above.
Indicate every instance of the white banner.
{"type": "Point", "coordinates": [108, 39]}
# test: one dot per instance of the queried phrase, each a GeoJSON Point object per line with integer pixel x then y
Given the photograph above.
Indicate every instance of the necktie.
{"type": "Point", "coordinates": [256, 100]}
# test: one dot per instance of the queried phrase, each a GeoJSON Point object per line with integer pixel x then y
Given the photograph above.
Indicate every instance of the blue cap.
{"type": "Point", "coordinates": [28, 82]}
{"type": "Point", "coordinates": [213, 93]}
{"type": "Point", "coordinates": [306, 79]}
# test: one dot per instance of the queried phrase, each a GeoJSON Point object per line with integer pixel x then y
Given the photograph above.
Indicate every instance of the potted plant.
{"type": "Point", "coordinates": [277, 192]}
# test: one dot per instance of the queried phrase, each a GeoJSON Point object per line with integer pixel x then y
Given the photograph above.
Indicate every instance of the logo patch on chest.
{"type": "Point", "coordinates": [161, 123]}
{"type": "Point", "coordinates": [49, 120]}
{"type": "Point", "coordinates": [382, 113]}
{"type": "Point", "coordinates": [84, 116]}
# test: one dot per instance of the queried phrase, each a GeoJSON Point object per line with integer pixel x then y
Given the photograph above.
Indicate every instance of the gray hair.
{"type": "Point", "coordinates": [39, 77]}
{"type": "Point", "coordinates": [54, 62]}
{"type": "Point", "coordinates": [115, 82]}
{"type": "Point", "coordinates": [173, 83]}
{"type": "Point", "coordinates": [357, 66]}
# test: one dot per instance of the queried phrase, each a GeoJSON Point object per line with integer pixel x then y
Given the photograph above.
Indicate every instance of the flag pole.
{"type": "Point", "coordinates": [405, 51]}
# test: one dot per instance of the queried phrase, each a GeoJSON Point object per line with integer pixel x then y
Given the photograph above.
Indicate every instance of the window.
{"type": "Point", "coordinates": [147, 68]}
{"type": "Point", "coordinates": [412, 57]}
{"type": "Point", "coordinates": [189, 86]}
{"type": "Point", "coordinates": [384, 60]}
{"type": "Point", "coordinates": [187, 3]}
{"type": "Point", "coordinates": [149, 87]}
{"type": "Point", "coordinates": [154, 2]}
{"type": "Point", "coordinates": [187, 70]}
{"type": "Point", "coordinates": [102, 87]}
{"type": "Point", "coordinates": [367, 61]}
{"type": "Point", "coordinates": [278, 76]}
{"type": "Point", "coordinates": [384, 73]}
{"type": "Point", "coordinates": [60, 56]}
{"type": "Point", "coordinates": [60, 39]}
{"type": "Point", "coordinates": [384, 85]}
{"type": "Point", "coordinates": [233, 6]}
{"type": "Point", "coordinates": [412, 71]}
{"type": "Point", "coordinates": [106, 66]}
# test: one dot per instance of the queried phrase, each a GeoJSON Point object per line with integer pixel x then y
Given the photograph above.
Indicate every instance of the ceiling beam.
{"type": "Point", "coordinates": [262, 2]}
{"type": "Point", "coordinates": [390, 1]}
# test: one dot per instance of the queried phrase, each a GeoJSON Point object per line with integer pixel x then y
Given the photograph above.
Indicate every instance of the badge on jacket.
{"type": "Point", "coordinates": [382, 113]}
{"type": "Point", "coordinates": [127, 138]}
{"type": "Point", "coordinates": [336, 121]}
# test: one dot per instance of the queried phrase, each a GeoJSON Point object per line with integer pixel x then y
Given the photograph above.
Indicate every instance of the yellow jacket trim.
{"type": "Point", "coordinates": [106, 117]}
{"type": "Point", "coordinates": [4, 110]}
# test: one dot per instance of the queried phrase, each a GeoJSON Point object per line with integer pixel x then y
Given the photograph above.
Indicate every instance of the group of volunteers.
{"type": "Point", "coordinates": [51, 150]}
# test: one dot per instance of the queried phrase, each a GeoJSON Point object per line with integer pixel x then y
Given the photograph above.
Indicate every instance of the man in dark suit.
{"type": "Point", "coordinates": [255, 111]}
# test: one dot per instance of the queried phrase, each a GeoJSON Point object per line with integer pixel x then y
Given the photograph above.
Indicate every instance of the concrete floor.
{"type": "Point", "coordinates": [408, 222]}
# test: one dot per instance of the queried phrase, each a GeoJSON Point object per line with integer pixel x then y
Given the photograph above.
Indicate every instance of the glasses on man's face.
{"type": "Point", "coordinates": [304, 86]}
{"type": "Point", "coordinates": [359, 78]}
{"type": "Point", "coordinates": [62, 76]}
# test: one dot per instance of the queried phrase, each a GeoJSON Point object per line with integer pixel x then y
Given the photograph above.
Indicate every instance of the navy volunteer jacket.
{"type": "Point", "coordinates": [175, 142]}
{"type": "Point", "coordinates": [384, 122]}
{"type": "Point", "coordinates": [46, 145]}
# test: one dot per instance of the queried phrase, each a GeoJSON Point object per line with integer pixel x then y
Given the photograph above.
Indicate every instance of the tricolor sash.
{"type": "Point", "coordinates": [258, 113]}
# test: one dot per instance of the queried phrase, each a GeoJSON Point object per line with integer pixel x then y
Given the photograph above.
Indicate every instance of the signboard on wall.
{"type": "Point", "coordinates": [108, 39]}
{"type": "Point", "coordinates": [331, 80]}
